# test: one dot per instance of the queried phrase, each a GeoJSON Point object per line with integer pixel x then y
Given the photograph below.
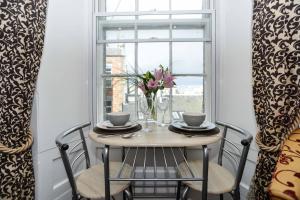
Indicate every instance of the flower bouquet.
{"type": "Point", "coordinates": [149, 83]}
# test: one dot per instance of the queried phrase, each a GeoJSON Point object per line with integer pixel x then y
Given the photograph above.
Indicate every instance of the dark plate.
{"type": "Point", "coordinates": [208, 126]}
{"type": "Point", "coordinates": [113, 132]}
{"type": "Point", "coordinates": [105, 126]}
{"type": "Point", "coordinates": [202, 132]}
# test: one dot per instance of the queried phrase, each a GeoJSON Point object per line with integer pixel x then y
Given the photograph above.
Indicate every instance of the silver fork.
{"type": "Point", "coordinates": [190, 135]}
{"type": "Point", "coordinates": [107, 136]}
{"type": "Point", "coordinates": [129, 135]}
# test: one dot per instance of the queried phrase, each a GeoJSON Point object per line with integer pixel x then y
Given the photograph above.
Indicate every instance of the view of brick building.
{"type": "Point", "coordinates": [185, 97]}
{"type": "Point", "coordinates": [115, 86]}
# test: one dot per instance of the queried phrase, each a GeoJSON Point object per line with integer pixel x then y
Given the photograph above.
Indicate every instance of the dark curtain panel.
{"type": "Point", "coordinates": [276, 87]}
{"type": "Point", "coordinates": [22, 27]}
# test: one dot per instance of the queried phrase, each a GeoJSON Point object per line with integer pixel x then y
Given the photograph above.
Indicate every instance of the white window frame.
{"type": "Point", "coordinates": [209, 73]}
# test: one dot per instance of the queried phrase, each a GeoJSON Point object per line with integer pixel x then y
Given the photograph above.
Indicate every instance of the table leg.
{"type": "Point", "coordinates": [178, 190]}
{"type": "Point", "coordinates": [205, 172]}
{"type": "Point", "coordinates": [123, 157]}
{"type": "Point", "coordinates": [106, 172]}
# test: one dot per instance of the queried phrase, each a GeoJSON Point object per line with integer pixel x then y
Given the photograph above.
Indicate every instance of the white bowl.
{"type": "Point", "coordinates": [193, 119]}
{"type": "Point", "coordinates": [118, 118]}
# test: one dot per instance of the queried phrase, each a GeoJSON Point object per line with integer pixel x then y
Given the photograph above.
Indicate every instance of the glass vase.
{"type": "Point", "coordinates": [151, 101]}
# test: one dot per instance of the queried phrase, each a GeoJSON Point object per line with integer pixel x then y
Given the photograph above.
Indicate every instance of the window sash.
{"type": "Point", "coordinates": [206, 83]}
{"type": "Point", "coordinates": [100, 5]}
{"type": "Point", "coordinates": [133, 25]}
{"type": "Point", "coordinates": [209, 55]}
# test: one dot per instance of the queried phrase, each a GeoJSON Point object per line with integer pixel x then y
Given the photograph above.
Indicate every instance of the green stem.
{"type": "Point", "coordinates": [151, 104]}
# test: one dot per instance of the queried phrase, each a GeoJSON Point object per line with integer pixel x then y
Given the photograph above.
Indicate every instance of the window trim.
{"type": "Point", "coordinates": [209, 75]}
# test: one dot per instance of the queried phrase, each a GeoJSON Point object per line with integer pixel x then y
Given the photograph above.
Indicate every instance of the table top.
{"type": "Point", "coordinates": [158, 137]}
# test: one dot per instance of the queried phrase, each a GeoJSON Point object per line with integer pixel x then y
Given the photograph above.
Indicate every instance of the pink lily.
{"type": "Point", "coordinates": [158, 74]}
{"type": "Point", "coordinates": [152, 84]}
{"type": "Point", "coordinates": [142, 87]}
{"type": "Point", "coordinates": [168, 80]}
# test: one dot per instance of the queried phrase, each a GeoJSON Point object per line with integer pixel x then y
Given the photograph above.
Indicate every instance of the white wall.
{"type": "Point", "coordinates": [63, 100]}
{"type": "Point", "coordinates": [62, 97]}
{"type": "Point", "coordinates": [234, 95]}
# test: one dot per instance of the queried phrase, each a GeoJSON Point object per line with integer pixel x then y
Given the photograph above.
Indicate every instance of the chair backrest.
{"type": "Point", "coordinates": [73, 151]}
{"type": "Point", "coordinates": [233, 151]}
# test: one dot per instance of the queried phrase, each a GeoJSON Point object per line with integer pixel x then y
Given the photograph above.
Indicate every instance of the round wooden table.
{"type": "Point", "coordinates": [158, 137]}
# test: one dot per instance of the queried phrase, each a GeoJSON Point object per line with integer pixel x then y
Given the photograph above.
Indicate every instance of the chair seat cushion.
{"type": "Point", "coordinates": [220, 180]}
{"type": "Point", "coordinates": [90, 183]}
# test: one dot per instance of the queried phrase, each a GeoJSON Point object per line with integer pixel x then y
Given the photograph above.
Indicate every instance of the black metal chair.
{"type": "Point", "coordinates": [89, 182]}
{"type": "Point", "coordinates": [220, 179]}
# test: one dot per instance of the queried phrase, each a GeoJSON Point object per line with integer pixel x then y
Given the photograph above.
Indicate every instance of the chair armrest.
{"type": "Point", "coordinates": [285, 182]}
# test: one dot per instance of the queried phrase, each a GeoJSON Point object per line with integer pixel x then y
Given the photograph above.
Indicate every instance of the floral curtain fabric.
{"type": "Point", "coordinates": [276, 86]}
{"type": "Point", "coordinates": [22, 26]}
{"type": "Point", "coordinates": [285, 182]}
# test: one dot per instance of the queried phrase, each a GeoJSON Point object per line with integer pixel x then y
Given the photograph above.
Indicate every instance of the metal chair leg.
{"type": "Point", "coordinates": [178, 190]}
{"type": "Point", "coordinates": [106, 172]}
{"type": "Point", "coordinates": [75, 196]}
{"type": "Point", "coordinates": [130, 189]}
{"type": "Point", "coordinates": [221, 196]}
{"type": "Point", "coordinates": [236, 194]}
{"type": "Point", "coordinates": [123, 157]}
{"type": "Point", "coordinates": [124, 195]}
{"type": "Point", "coordinates": [185, 192]}
{"type": "Point", "coordinates": [128, 194]}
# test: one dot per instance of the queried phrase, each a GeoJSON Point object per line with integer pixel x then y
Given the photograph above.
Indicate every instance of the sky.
{"type": "Point", "coordinates": [148, 5]}
{"type": "Point", "coordinates": [187, 57]}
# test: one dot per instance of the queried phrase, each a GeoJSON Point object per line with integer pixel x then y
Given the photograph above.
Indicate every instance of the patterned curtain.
{"type": "Point", "coordinates": [22, 26]}
{"type": "Point", "coordinates": [276, 86]}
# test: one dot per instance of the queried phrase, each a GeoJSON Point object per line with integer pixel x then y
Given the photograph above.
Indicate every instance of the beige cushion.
{"type": "Point", "coordinates": [90, 183]}
{"type": "Point", "coordinates": [285, 182]}
{"type": "Point", "coordinates": [220, 180]}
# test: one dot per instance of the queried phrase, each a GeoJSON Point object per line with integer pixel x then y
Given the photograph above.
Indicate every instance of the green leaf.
{"type": "Point", "coordinates": [141, 77]}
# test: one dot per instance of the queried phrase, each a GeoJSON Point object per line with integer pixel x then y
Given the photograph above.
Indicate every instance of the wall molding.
{"type": "Point", "coordinates": [244, 188]}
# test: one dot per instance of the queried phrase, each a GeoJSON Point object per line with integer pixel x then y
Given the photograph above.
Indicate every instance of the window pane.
{"type": "Point", "coordinates": [187, 16]}
{"type": "Point", "coordinates": [153, 32]}
{"type": "Point", "coordinates": [119, 96]}
{"type": "Point", "coordinates": [188, 57]}
{"type": "Point", "coordinates": [151, 55]}
{"type": "Point", "coordinates": [119, 33]}
{"type": "Point", "coordinates": [120, 5]}
{"type": "Point", "coordinates": [194, 27]}
{"type": "Point", "coordinates": [116, 17]}
{"type": "Point", "coordinates": [187, 31]}
{"type": "Point", "coordinates": [154, 17]}
{"type": "Point", "coordinates": [112, 30]}
{"type": "Point", "coordinates": [187, 95]}
{"type": "Point", "coordinates": [153, 5]}
{"type": "Point", "coordinates": [119, 58]}
{"type": "Point", "coordinates": [187, 4]}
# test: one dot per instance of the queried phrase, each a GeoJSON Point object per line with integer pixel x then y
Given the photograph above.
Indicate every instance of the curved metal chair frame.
{"type": "Point", "coordinates": [63, 149]}
{"type": "Point", "coordinates": [245, 142]}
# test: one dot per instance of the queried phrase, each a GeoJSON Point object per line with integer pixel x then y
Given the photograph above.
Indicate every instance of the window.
{"type": "Point", "coordinates": [133, 36]}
